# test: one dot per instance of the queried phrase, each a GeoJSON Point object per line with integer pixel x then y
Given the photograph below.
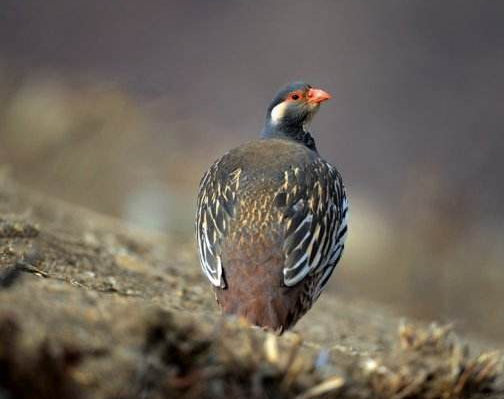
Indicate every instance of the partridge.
{"type": "Point", "coordinates": [271, 217]}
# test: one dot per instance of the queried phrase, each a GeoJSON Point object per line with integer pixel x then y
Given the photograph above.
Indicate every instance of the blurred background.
{"type": "Point", "coordinates": [121, 106]}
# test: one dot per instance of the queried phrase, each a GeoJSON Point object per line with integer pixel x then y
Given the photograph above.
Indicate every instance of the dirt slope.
{"type": "Point", "coordinates": [90, 308]}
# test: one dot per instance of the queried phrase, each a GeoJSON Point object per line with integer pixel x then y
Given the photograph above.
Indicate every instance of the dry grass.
{"type": "Point", "coordinates": [235, 361]}
{"type": "Point", "coordinates": [431, 363]}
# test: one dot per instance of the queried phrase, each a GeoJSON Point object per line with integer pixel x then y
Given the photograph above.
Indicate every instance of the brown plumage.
{"type": "Point", "coordinates": [271, 225]}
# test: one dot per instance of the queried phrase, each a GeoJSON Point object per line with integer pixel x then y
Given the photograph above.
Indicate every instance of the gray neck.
{"type": "Point", "coordinates": [294, 132]}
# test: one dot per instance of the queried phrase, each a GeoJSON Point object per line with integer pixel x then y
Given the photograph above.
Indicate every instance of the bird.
{"type": "Point", "coordinates": [271, 218]}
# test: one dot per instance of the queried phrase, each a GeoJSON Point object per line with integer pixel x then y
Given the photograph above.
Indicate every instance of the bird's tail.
{"type": "Point", "coordinates": [256, 293]}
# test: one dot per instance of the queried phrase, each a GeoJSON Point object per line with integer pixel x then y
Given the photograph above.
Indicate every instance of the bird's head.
{"type": "Point", "coordinates": [292, 109]}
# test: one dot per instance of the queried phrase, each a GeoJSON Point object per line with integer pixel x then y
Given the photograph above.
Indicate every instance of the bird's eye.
{"type": "Point", "coordinates": [294, 96]}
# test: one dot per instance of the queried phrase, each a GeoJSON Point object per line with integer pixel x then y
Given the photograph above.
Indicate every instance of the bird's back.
{"type": "Point", "coordinates": [250, 206]}
{"type": "Point", "coordinates": [261, 167]}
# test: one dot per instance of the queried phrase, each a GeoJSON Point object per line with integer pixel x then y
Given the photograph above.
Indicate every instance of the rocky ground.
{"type": "Point", "coordinates": [90, 308]}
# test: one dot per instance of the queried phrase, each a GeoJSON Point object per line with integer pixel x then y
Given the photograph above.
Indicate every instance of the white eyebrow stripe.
{"type": "Point", "coordinates": [278, 112]}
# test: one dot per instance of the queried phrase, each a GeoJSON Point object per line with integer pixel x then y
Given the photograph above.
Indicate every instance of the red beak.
{"type": "Point", "coordinates": [317, 95]}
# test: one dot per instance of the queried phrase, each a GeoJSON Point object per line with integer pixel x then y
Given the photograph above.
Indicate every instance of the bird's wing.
{"type": "Point", "coordinates": [215, 208]}
{"type": "Point", "coordinates": [315, 228]}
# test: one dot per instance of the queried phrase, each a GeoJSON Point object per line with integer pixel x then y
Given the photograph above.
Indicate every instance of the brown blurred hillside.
{"type": "Point", "coordinates": [122, 112]}
{"type": "Point", "coordinates": [92, 308]}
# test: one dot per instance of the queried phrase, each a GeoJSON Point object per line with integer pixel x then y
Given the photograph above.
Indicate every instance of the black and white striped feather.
{"type": "Point", "coordinates": [315, 223]}
{"type": "Point", "coordinates": [215, 210]}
